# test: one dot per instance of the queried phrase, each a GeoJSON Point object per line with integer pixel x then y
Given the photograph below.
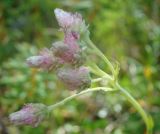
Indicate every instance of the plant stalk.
{"type": "Point", "coordinates": [147, 119]}
{"type": "Point", "coordinates": [98, 52]}
{"type": "Point", "coordinates": [51, 107]}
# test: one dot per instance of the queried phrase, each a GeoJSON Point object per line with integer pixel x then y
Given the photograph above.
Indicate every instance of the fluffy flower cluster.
{"type": "Point", "coordinates": [70, 22]}
{"type": "Point", "coordinates": [30, 114]}
{"type": "Point", "coordinates": [66, 56]}
{"type": "Point", "coordinates": [75, 78]}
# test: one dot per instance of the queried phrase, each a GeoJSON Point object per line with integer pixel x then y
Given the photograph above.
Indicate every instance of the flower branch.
{"type": "Point", "coordinates": [52, 107]}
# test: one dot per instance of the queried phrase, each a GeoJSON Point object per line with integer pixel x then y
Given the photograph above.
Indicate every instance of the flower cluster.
{"type": "Point", "coordinates": [65, 58]}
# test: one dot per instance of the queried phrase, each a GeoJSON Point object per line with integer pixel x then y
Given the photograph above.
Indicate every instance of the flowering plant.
{"type": "Point", "coordinates": [67, 58]}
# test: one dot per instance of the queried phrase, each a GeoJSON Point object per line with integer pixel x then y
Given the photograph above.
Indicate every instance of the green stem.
{"type": "Point", "coordinates": [96, 72]}
{"type": "Point", "coordinates": [89, 42]}
{"type": "Point", "coordinates": [147, 119]}
{"type": "Point", "coordinates": [105, 77]}
{"type": "Point", "coordinates": [101, 71]}
{"type": "Point", "coordinates": [51, 107]}
{"type": "Point", "coordinates": [97, 80]}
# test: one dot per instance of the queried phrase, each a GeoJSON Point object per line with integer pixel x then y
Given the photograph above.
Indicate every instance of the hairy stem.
{"type": "Point", "coordinates": [147, 119]}
{"type": "Point", "coordinates": [96, 72]}
{"type": "Point", "coordinates": [101, 71]}
{"type": "Point", "coordinates": [97, 80]}
{"type": "Point", "coordinates": [98, 52]}
{"type": "Point", "coordinates": [51, 107]}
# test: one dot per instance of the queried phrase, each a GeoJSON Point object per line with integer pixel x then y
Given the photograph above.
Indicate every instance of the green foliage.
{"type": "Point", "coordinates": [126, 31]}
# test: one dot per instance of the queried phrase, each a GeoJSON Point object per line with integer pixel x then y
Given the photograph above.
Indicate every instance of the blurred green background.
{"type": "Point", "coordinates": [125, 30]}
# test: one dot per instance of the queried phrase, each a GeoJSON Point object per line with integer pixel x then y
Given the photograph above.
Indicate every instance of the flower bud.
{"type": "Point", "coordinates": [78, 78]}
{"type": "Point", "coordinates": [69, 21]}
{"type": "Point", "coordinates": [45, 60]}
{"type": "Point", "coordinates": [67, 53]}
{"type": "Point", "coordinates": [30, 114]}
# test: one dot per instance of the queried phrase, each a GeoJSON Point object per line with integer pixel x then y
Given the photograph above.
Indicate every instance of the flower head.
{"type": "Point", "coordinates": [69, 21]}
{"type": "Point", "coordinates": [75, 78]}
{"type": "Point", "coordinates": [67, 53]}
{"type": "Point", "coordinates": [30, 114]}
{"type": "Point", "coordinates": [73, 26]}
{"type": "Point", "coordinates": [44, 60]}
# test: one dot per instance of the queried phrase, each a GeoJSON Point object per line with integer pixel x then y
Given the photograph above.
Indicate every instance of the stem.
{"type": "Point", "coordinates": [101, 78]}
{"type": "Point", "coordinates": [96, 72]}
{"type": "Point", "coordinates": [51, 107]}
{"type": "Point", "coordinates": [97, 80]}
{"type": "Point", "coordinates": [101, 71]}
{"type": "Point", "coordinates": [147, 119]}
{"type": "Point", "coordinates": [100, 54]}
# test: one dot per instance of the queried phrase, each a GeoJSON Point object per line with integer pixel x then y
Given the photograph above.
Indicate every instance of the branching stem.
{"type": "Point", "coordinates": [78, 94]}
{"type": "Point", "coordinates": [147, 118]}
{"type": "Point", "coordinates": [98, 52]}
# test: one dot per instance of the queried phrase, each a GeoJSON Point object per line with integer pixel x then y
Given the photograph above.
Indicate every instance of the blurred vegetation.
{"type": "Point", "coordinates": [126, 31]}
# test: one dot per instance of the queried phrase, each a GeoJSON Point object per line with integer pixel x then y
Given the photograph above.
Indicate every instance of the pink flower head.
{"type": "Point", "coordinates": [77, 78]}
{"type": "Point", "coordinates": [30, 114]}
{"type": "Point", "coordinates": [67, 53]}
{"type": "Point", "coordinates": [44, 60]}
{"type": "Point", "coordinates": [69, 21]}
